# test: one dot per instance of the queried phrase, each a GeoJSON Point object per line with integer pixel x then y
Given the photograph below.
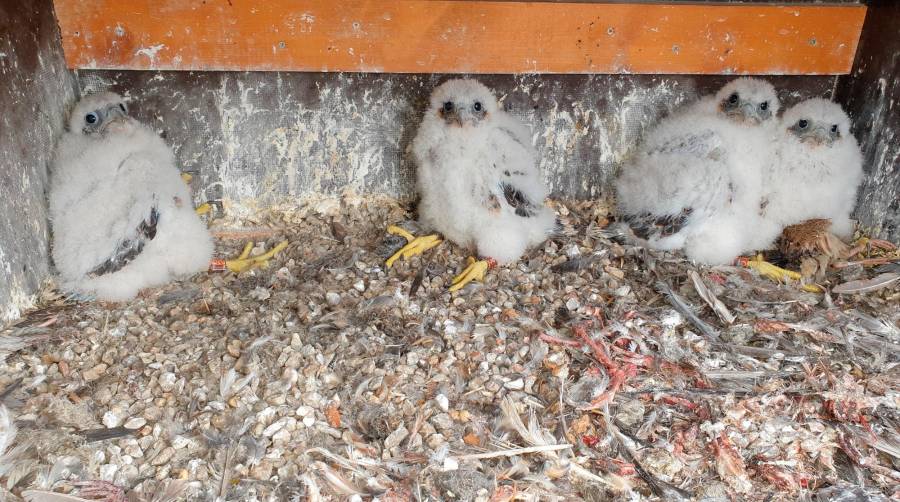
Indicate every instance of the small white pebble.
{"type": "Point", "coordinates": [179, 442]}
{"type": "Point", "coordinates": [309, 421]}
{"type": "Point", "coordinates": [332, 298]}
{"type": "Point", "coordinates": [112, 419]}
{"type": "Point", "coordinates": [442, 402]}
{"type": "Point", "coordinates": [135, 423]}
{"type": "Point", "coordinates": [396, 437]}
{"type": "Point", "coordinates": [304, 411]}
{"type": "Point", "coordinates": [108, 472]}
{"type": "Point", "coordinates": [167, 381]}
{"type": "Point", "coordinates": [517, 384]}
{"type": "Point", "coordinates": [450, 464]}
{"type": "Point", "coordinates": [359, 285]}
{"type": "Point", "coordinates": [273, 428]}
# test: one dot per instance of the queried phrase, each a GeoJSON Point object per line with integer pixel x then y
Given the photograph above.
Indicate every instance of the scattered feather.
{"type": "Point", "coordinates": [48, 496]}
{"type": "Point", "coordinates": [710, 298]}
{"type": "Point", "coordinates": [867, 285]}
{"type": "Point", "coordinates": [682, 307]}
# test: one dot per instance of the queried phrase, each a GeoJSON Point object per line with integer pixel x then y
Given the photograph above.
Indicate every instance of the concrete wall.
{"type": "Point", "coordinates": [263, 138]}
{"type": "Point", "coordinates": [872, 93]}
{"type": "Point", "coordinates": [35, 93]}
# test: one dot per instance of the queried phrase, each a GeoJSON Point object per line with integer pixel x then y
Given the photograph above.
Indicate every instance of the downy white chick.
{"type": "Point", "coordinates": [696, 180]}
{"type": "Point", "coordinates": [122, 217]}
{"type": "Point", "coordinates": [478, 178]}
{"type": "Point", "coordinates": [818, 168]}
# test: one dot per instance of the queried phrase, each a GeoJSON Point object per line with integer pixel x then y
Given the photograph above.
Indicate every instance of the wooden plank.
{"type": "Point", "coordinates": [454, 36]}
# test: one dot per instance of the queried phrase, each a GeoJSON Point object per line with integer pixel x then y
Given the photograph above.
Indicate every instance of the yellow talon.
{"type": "Point", "coordinates": [243, 262]}
{"type": "Point", "coordinates": [474, 271]}
{"type": "Point", "coordinates": [777, 273]}
{"type": "Point", "coordinates": [414, 245]}
{"type": "Point", "coordinates": [187, 177]}
{"type": "Point", "coordinates": [203, 208]}
{"type": "Point", "coordinates": [246, 251]}
{"type": "Point", "coordinates": [394, 229]}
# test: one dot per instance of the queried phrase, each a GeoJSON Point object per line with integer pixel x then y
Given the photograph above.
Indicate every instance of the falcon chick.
{"type": "Point", "coordinates": [818, 169]}
{"type": "Point", "coordinates": [696, 181]}
{"type": "Point", "coordinates": [122, 216]}
{"type": "Point", "coordinates": [811, 187]}
{"type": "Point", "coordinates": [478, 179]}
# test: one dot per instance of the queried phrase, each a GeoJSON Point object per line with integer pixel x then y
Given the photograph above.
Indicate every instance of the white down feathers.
{"type": "Point", "coordinates": [107, 188]}
{"type": "Point", "coordinates": [477, 174]}
{"type": "Point", "coordinates": [696, 182]}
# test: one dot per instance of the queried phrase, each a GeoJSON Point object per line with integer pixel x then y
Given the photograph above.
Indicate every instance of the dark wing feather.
{"type": "Point", "coordinates": [128, 249]}
{"type": "Point", "coordinates": [646, 225]}
{"type": "Point", "coordinates": [518, 201]}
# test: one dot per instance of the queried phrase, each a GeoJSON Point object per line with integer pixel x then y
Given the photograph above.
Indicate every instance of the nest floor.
{"type": "Point", "coordinates": [591, 369]}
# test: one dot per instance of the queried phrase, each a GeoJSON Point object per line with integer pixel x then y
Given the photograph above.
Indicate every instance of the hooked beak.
{"type": "Point", "coordinates": [745, 111]}
{"type": "Point", "coordinates": [819, 136]}
{"type": "Point", "coordinates": [466, 117]}
{"type": "Point", "coordinates": [458, 118]}
{"type": "Point", "coordinates": [749, 112]}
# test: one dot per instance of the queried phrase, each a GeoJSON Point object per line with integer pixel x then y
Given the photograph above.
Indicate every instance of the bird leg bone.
{"type": "Point", "coordinates": [775, 272]}
{"type": "Point", "coordinates": [617, 375]}
{"type": "Point", "coordinates": [245, 262]}
{"type": "Point", "coordinates": [414, 245]}
{"type": "Point", "coordinates": [474, 271]}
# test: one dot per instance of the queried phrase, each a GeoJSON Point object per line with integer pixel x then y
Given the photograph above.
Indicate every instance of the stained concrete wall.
{"type": "Point", "coordinates": [872, 94]}
{"type": "Point", "coordinates": [35, 91]}
{"type": "Point", "coordinates": [263, 138]}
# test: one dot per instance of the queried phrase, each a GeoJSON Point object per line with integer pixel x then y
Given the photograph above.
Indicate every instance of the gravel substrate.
{"type": "Point", "coordinates": [579, 373]}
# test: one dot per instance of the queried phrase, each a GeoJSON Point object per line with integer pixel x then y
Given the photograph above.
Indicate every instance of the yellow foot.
{"type": "Point", "coordinates": [414, 245]}
{"type": "Point", "coordinates": [244, 262]}
{"type": "Point", "coordinates": [776, 273]}
{"type": "Point", "coordinates": [474, 271]}
{"type": "Point", "coordinates": [187, 178]}
{"type": "Point", "coordinates": [203, 208]}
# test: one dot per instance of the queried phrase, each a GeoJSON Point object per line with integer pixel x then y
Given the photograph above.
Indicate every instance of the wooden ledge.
{"type": "Point", "coordinates": [457, 36]}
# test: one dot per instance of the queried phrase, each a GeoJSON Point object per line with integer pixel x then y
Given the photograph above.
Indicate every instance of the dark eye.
{"type": "Point", "coordinates": [477, 106]}
{"type": "Point", "coordinates": [122, 107]}
{"type": "Point", "coordinates": [91, 118]}
{"type": "Point", "coordinates": [733, 98]}
{"type": "Point", "coordinates": [448, 106]}
{"type": "Point", "coordinates": [802, 124]}
{"type": "Point", "coordinates": [764, 106]}
{"type": "Point", "coordinates": [834, 128]}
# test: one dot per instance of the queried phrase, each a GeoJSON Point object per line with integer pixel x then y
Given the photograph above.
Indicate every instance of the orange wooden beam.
{"type": "Point", "coordinates": [454, 36]}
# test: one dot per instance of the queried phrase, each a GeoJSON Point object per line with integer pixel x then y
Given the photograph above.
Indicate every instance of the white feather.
{"type": "Point", "coordinates": [103, 186]}
{"type": "Point", "coordinates": [462, 170]}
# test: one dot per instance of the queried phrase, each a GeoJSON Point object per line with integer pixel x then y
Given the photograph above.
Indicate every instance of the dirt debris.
{"type": "Point", "coordinates": [592, 369]}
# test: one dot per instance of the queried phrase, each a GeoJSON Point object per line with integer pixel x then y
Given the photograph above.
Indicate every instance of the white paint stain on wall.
{"type": "Point", "coordinates": [150, 52]}
{"type": "Point", "coordinates": [336, 141]}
